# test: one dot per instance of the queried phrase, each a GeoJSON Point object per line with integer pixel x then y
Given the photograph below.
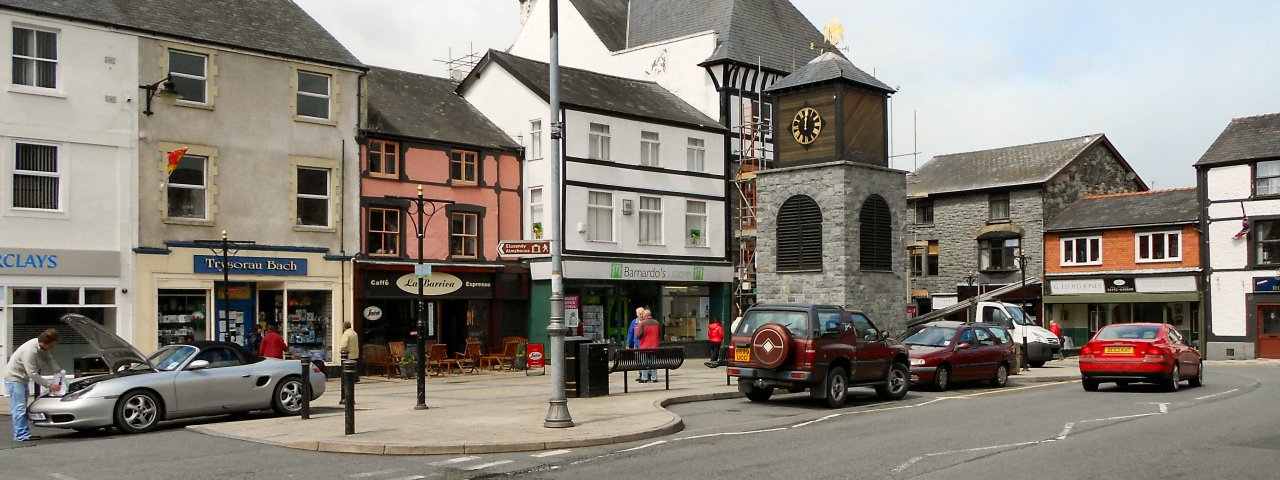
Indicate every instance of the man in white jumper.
{"type": "Point", "coordinates": [23, 368]}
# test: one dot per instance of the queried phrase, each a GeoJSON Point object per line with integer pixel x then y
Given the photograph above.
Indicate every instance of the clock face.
{"type": "Point", "coordinates": [806, 126]}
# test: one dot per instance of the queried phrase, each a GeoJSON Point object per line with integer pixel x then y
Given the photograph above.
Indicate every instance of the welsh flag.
{"type": "Point", "coordinates": [1244, 224]}
{"type": "Point", "coordinates": [174, 158]}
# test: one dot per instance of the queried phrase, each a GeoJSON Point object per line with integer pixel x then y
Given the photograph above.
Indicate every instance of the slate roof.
{"type": "Point", "coordinates": [1156, 207]}
{"type": "Point", "coordinates": [606, 93]}
{"type": "Point", "coordinates": [419, 106]}
{"type": "Point", "coordinates": [1001, 167]}
{"type": "Point", "coordinates": [827, 67]}
{"type": "Point", "coordinates": [269, 26]}
{"type": "Point", "coordinates": [1245, 138]}
{"type": "Point", "coordinates": [772, 32]}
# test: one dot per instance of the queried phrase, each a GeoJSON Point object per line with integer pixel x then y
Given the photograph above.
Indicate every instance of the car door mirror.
{"type": "Point", "coordinates": [198, 365]}
{"type": "Point", "coordinates": [883, 336]}
{"type": "Point", "coordinates": [963, 345]}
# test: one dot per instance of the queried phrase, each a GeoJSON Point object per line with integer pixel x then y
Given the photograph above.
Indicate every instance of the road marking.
{"type": "Point", "coordinates": [412, 477]}
{"type": "Point", "coordinates": [1164, 408]}
{"type": "Point", "coordinates": [550, 454]}
{"type": "Point", "coordinates": [452, 461]}
{"type": "Point", "coordinates": [905, 465]}
{"type": "Point", "coordinates": [1216, 394]}
{"type": "Point", "coordinates": [487, 465]}
{"type": "Point", "coordinates": [1122, 417]}
{"type": "Point", "coordinates": [727, 434]}
{"type": "Point", "coordinates": [647, 445]}
{"type": "Point", "coordinates": [1066, 430]}
{"type": "Point", "coordinates": [60, 476]}
{"type": "Point", "coordinates": [373, 474]}
{"type": "Point", "coordinates": [1014, 389]}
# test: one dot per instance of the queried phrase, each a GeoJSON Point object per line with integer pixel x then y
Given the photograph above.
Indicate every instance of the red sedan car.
{"type": "Point", "coordinates": [945, 352]}
{"type": "Point", "coordinates": [1140, 352]}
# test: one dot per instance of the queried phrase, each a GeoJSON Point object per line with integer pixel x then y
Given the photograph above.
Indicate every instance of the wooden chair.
{"type": "Point", "coordinates": [436, 353]}
{"type": "Point", "coordinates": [397, 355]}
{"type": "Point", "coordinates": [376, 356]}
{"type": "Point", "coordinates": [468, 358]}
{"type": "Point", "coordinates": [506, 359]}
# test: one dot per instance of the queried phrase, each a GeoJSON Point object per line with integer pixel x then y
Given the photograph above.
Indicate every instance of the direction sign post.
{"type": "Point", "coordinates": [524, 248]}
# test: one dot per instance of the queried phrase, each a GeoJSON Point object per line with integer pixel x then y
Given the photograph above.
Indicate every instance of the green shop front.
{"type": "Point", "coordinates": [1084, 304]}
{"type": "Point", "coordinates": [601, 298]}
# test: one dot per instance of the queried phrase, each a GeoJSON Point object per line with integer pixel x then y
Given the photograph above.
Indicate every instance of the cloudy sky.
{"type": "Point", "coordinates": [1160, 78]}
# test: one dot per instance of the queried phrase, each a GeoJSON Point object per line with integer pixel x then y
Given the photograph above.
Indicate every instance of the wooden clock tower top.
{"type": "Point", "coordinates": [830, 110]}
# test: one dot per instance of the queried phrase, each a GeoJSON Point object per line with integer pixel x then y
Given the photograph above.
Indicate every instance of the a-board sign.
{"type": "Point", "coordinates": [537, 358]}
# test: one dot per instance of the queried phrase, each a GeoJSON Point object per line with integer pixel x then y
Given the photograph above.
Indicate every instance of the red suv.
{"type": "Point", "coordinates": [821, 348]}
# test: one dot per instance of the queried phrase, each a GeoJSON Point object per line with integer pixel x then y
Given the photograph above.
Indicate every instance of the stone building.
{"type": "Point", "coordinates": [974, 213]}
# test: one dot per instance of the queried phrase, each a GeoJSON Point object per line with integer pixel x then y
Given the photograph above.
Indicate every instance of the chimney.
{"type": "Point", "coordinates": [526, 8]}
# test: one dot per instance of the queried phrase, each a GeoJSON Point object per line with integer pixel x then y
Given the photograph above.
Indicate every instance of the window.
{"type": "Point", "coordinates": [313, 197]}
{"type": "Point", "coordinates": [924, 259]}
{"type": "Point", "coordinates": [383, 158]}
{"type": "Point", "coordinates": [599, 217]}
{"type": "Point", "coordinates": [1159, 246]}
{"type": "Point", "coordinates": [383, 237]}
{"type": "Point", "coordinates": [1266, 236]}
{"type": "Point", "coordinates": [695, 223]}
{"type": "Point", "coordinates": [924, 213]}
{"type": "Point", "coordinates": [462, 166]}
{"type": "Point", "coordinates": [1267, 178]}
{"type": "Point", "coordinates": [535, 212]}
{"type": "Point", "coordinates": [866, 329]}
{"type": "Point", "coordinates": [799, 235]}
{"type": "Point", "coordinates": [1082, 251]}
{"type": "Point", "coordinates": [188, 185]}
{"type": "Point", "coordinates": [464, 234]}
{"type": "Point", "coordinates": [984, 339]}
{"type": "Point", "coordinates": [598, 148]}
{"type": "Point", "coordinates": [649, 147]}
{"type": "Point", "coordinates": [998, 204]}
{"type": "Point", "coordinates": [875, 234]}
{"type": "Point", "coordinates": [313, 95]}
{"type": "Point", "coordinates": [697, 155]}
{"type": "Point", "coordinates": [998, 253]}
{"type": "Point", "coordinates": [219, 357]}
{"type": "Point", "coordinates": [650, 220]}
{"type": "Point", "coordinates": [190, 75]}
{"type": "Point", "coordinates": [535, 139]}
{"type": "Point", "coordinates": [35, 58]}
{"type": "Point", "coordinates": [36, 180]}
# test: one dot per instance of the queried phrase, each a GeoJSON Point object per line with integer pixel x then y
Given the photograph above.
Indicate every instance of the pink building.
{"type": "Point", "coordinates": [417, 133]}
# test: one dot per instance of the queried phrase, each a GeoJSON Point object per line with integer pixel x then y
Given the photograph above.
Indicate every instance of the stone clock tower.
{"type": "Point", "coordinates": [832, 213]}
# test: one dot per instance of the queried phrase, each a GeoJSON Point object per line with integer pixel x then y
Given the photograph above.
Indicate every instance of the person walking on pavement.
{"type": "Point", "coordinates": [715, 335]}
{"type": "Point", "coordinates": [650, 334]}
{"type": "Point", "coordinates": [1056, 330]}
{"type": "Point", "coordinates": [272, 344]}
{"type": "Point", "coordinates": [632, 341]}
{"type": "Point", "coordinates": [23, 368]}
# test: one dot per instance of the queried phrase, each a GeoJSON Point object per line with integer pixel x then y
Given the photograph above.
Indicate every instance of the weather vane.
{"type": "Point", "coordinates": [832, 36]}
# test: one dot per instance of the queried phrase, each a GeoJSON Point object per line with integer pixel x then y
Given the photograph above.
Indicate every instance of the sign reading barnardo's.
{"type": "Point", "coordinates": [251, 265]}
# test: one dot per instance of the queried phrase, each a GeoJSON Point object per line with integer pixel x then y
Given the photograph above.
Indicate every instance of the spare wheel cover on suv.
{"type": "Point", "coordinates": [771, 345]}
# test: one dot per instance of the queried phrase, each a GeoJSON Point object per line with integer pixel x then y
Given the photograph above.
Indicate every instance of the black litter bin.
{"type": "Point", "coordinates": [593, 370]}
{"type": "Point", "coordinates": [572, 368]}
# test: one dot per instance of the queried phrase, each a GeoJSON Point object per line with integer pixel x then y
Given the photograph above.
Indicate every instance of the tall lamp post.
{"type": "Point", "coordinates": [420, 228]}
{"type": "Point", "coordinates": [558, 406]}
{"type": "Point", "coordinates": [1022, 304]}
{"type": "Point", "coordinates": [223, 245]}
{"type": "Point", "coordinates": [973, 299]}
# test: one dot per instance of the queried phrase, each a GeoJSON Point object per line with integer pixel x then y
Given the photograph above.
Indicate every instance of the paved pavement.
{"type": "Point", "coordinates": [503, 412]}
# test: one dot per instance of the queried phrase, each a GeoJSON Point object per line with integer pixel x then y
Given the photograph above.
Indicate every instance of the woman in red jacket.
{"type": "Point", "coordinates": [272, 344]}
{"type": "Point", "coordinates": [715, 335]}
{"type": "Point", "coordinates": [650, 334]}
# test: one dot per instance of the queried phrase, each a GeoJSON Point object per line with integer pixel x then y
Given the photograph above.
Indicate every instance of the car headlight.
{"type": "Point", "coordinates": [78, 393]}
{"type": "Point", "coordinates": [915, 362]}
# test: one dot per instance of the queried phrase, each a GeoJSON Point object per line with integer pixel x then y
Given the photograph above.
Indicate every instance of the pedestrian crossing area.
{"type": "Point", "coordinates": [439, 467]}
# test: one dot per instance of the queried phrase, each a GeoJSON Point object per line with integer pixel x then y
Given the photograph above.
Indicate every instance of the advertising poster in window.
{"type": "Point", "coordinates": [571, 317]}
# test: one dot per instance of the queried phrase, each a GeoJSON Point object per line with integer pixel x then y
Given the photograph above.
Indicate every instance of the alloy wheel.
{"type": "Point", "coordinates": [140, 412]}
{"type": "Point", "coordinates": [291, 395]}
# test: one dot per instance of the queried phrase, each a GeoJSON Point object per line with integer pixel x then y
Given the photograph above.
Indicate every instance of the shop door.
{"type": "Point", "coordinates": [1269, 330]}
{"type": "Point", "coordinates": [234, 312]}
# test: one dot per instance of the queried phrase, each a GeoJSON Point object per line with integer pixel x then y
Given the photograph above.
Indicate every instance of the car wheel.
{"type": "Point", "coordinates": [1090, 385]}
{"type": "Point", "coordinates": [837, 387]}
{"type": "Point", "coordinates": [941, 378]}
{"type": "Point", "coordinates": [288, 397]}
{"type": "Point", "coordinates": [1175, 379]}
{"type": "Point", "coordinates": [137, 412]}
{"type": "Point", "coordinates": [896, 384]}
{"type": "Point", "coordinates": [1036, 364]}
{"type": "Point", "coordinates": [1198, 380]}
{"type": "Point", "coordinates": [1002, 376]}
{"type": "Point", "coordinates": [758, 394]}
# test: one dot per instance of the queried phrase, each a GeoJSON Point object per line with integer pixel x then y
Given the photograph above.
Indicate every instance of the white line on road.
{"type": "Point", "coordinates": [1122, 417]}
{"type": "Point", "coordinates": [905, 465]}
{"type": "Point", "coordinates": [647, 445]}
{"type": "Point", "coordinates": [550, 454]}
{"type": "Point", "coordinates": [487, 465]}
{"type": "Point", "coordinates": [413, 477]}
{"type": "Point", "coordinates": [726, 434]}
{"type": "Point", "coordinates": [373, 474]}
{"type": "Point", "coordinates": [452, 461]}
{"type": "Point", "coordinates": [60, 476]}
{"type": "Point", "coordinates": [1164, 408]}
{"type": "Point", "coordinates": [1216, 394]}
{"type": "Point", "coordinates": [1066, 430]}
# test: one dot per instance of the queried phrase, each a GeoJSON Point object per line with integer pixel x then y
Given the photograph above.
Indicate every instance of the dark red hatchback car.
{"type": "Point", "coordinates": [946, 352]}
{"type": "Point", "coordinates": [1140, 352]}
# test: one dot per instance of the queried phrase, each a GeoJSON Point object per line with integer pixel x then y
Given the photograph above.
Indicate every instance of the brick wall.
{"type": "Point", "coordinates": [1118, 251]}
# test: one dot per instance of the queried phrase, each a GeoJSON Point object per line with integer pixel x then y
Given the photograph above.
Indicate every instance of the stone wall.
{"type": "Point", "coordinates": [1098, 171]}
{"type": "Point", "coordinates": [839, 188]}
{"type": "Point", "coordinates": [957, 219]}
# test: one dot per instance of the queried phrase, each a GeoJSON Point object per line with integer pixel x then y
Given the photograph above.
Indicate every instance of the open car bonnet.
{"type": "Point", "coordinates": [113, 349]}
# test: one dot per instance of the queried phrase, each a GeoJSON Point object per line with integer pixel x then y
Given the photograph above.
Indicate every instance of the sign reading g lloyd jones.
{"type": "Point", "coordinates": [252, 265]}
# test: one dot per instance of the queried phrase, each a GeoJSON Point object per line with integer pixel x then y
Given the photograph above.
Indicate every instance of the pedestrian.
{"type": "Point", "coordinates": [272, 343]}
{"type": "Point", "coordinates": [632, 341]}
{"type": "Point", "coordinates": [1056, 330]}
{"type": "Point", "coordinates": [715, 334]}
{"type": "Point", "coordinates": [650, 335]}
{"type": "Point", "coordinates": [23, 368]}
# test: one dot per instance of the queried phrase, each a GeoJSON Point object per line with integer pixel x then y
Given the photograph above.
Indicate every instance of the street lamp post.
{"type": "Point", "coordinates": [1022, 303]}
{"type": "Point", "coordinates": [973, 308]}
{"type": "Point", "coordinates": [558, 406]}
{"type": "Point", "coordinates": [224, 246]}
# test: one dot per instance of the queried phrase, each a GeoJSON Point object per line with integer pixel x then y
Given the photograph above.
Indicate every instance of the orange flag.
{"type": "Point", "coordinates": [174, 157]}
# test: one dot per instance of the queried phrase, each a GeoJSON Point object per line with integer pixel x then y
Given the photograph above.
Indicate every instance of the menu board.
{"type": "Point", "coordinates": [593, 321]}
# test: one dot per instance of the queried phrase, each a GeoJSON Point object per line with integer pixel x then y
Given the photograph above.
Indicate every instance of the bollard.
{"type": "Point", "coordinates": [349, 393]}
{"type": "Point", "coordinates": [342, 379]}
{"type": "Point", "coordinates": [306, 386]}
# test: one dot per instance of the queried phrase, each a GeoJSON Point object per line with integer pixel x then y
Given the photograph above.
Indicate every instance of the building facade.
{"type": "Point", "coordinates": [1240, 208]}
{"type": "Point", "coordinates": [1126, 257]}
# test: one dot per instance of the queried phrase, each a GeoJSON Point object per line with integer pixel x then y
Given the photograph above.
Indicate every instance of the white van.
{"type": "Point", "coordinates": [1042, 345]}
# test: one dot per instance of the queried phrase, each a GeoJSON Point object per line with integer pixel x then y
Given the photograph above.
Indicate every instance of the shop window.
{"type": "Point", "coordinates": [313, 95]}
{"type": "Point", "coordinates": [182, 315]}
{"type": "Point", "coordinates": [650, 220]}
{"type": "Point", "coordinates": [998, 206]}
{"type": "Point", "coordinates": [1266, 239]}
{"type": "Point", "coordinates": [598, 142]}
{"type": "Point", "coordinates": [1158, 246]}
{"type": "Point", "coordinates": [696, 155]}
{"type": "Point", "coordinates": [313, 197]}
{"type": "Point", "coordinates": [649, 148]}
{"type": "Point", "coordinates": [33, 310]}
{"type": "Point", "coordinates": [799, 235]}
{"type": "Point", "coordinates": [924, 212]}
{"type": "Point", "coordinates": [464, 235]}
{"type": "Point", "coordinates": [1081, 251]}
{"type": "Point", "coordinates": [188, 187]}
{"type": "Point", "coordinates": [1266, 178]}
{"type": "Point", "coordinates": [686, 312]}
{"type": "Point", "coordinates": [35, 58]}
{"type": "Point", "coordinates": [308, 315]}
{"type": "Point", "coordinates": [383, 236]}
{"type": "Point", "coordinates": [62, 296]}
{"type": "Point", "coordinates": [998, 254]}
{"type": "Point", "coordinates": [875, 234]}
{"type": "Point", "coordinates": [383, 158]}
{"type": "Point", "coordinates": [535, 212]}
{"type": "Point", "coordinates": [190, 75]}
{"type": "Point", "coordinates": [599, 217]}
{"type": "Point", "coordinates": [924, 259]}
{"type": "Point", "coordinates": [37, 178]}
{"type": "Point", "coordinates": [535, 139]}
{"type": "Point", "coordinates": [695, 221]}
{"type": "Point", "coordinates": [462, 167]}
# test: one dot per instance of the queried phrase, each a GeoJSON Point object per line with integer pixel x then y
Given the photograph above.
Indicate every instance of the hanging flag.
{"type": "Point", "coordinates": [1244, 224]}
{"type": "Point", "coordinates": [174, 158]}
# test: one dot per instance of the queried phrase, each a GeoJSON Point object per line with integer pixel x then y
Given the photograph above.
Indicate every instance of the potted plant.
{"type": "Point", "coordinates": [407, 365]}
{"type": "Point", "coordinates": [537, 230]}
{"type": "Point", "coordinates": [695, 238]}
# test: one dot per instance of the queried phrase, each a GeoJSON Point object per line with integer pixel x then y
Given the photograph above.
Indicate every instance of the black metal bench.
{"type": "Point", "coordinates": [635, 359]}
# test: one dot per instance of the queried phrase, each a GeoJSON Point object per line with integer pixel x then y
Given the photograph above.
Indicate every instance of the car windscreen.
{"type": "Point", "coordinates": [795, 322]}
{"type": "Point", "coordinates": [930, 336]}
{"type": "Point", "coordinates": [171, 357]}
{"type": "Point", "coordinates": [1019, 316]}
{"type": "Point", "coordinates": [1129, 332]}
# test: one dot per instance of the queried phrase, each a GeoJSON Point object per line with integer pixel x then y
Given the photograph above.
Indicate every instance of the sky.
{"type": "Point", "coordinates": [1161, 79]}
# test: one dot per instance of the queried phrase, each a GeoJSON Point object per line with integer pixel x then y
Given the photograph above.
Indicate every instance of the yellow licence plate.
{"type": "Point", "coordinates": [1119, 350]}
{"type": "Point", "coordinates": [742, 355]}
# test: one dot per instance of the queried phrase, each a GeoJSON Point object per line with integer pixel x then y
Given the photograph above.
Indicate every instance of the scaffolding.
{"type": "Point", "coordinates": [752, 129]}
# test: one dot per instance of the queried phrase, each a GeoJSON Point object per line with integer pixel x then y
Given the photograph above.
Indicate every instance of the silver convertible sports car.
{"type": "Point", "coordinates": [177, 381]}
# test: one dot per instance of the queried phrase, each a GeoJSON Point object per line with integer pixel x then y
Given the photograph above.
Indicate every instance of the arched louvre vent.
{"type": "Point", "coordinates": [799, 235]}
{"type": "Point", "coordinates": [876, 234]}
